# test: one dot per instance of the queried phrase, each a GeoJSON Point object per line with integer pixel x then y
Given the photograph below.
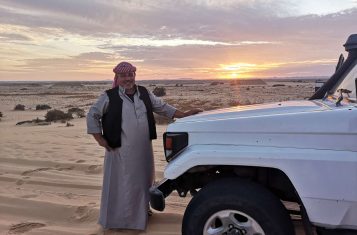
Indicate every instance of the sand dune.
{"type": "Point", "coordinates": [51, 180]}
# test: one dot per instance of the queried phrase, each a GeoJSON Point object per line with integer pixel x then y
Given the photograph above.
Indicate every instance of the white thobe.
{"type": "Point", "coordinates": [129, 169]}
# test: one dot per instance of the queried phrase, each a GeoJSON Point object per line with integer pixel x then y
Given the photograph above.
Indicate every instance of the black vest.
{"type": "Point", "coordinates": [112, 119]}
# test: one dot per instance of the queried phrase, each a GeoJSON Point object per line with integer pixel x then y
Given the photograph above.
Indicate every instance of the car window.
{"type": "Point", "coordinates": [347, 85]}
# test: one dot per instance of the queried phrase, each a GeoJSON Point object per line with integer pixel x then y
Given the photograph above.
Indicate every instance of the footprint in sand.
{"type": "Point", "coordinates": [20, 182]}
{"type": "Point", "coordinates": [29, 196]}
{"type": "Point", "coordinates": [67, 195]}
{"type": "Point", "coordinates": [24, 227]}
{"type": "Point", "coordinates": [94, 169]}
{"type": "Point", "coordinates": [65, 168]}
{"type": "Point", "coordinates": [80, 150]}
{"type": "Point", "coordinates": [82, 213]}
{"type": "Point", "coordinates": [36, 170]}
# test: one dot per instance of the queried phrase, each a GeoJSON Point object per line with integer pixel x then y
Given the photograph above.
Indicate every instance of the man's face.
{"type": "Point", "coordinates": [126, 80]}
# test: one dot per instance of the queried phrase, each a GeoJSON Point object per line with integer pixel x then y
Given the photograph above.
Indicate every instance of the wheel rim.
{"type": "Point", "coordinates": [232, 222]}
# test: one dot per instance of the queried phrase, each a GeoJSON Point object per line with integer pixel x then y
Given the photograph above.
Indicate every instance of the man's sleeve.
{"type": "Point", "coordinates": [160, 107]}
{"type": "Point", "coordinates": [95, 114]}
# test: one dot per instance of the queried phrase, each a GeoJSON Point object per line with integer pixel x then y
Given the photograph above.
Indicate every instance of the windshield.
{"type": "Point", "coordinates": [347, 86]}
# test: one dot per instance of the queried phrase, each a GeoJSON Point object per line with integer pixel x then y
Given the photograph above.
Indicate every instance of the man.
{"type": "Point", "coordinates": [122, 122]}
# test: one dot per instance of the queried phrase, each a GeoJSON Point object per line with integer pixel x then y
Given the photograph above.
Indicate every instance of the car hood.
{"type": "Point", "coordinates": [298, 124]}
{"type": "Point", "coordinates": [268, 109]}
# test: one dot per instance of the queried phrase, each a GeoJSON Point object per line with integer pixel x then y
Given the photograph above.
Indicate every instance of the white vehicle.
{"type": "Point", "coordinates": [240, 163]}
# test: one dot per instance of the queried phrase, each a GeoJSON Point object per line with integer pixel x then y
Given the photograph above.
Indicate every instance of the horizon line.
{"type": "Point", "coordinates": [175, 79]}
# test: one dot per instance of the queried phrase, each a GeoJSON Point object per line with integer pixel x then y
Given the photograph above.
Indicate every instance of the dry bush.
{"type": "Point", "coordinates": [214, 83]}
{"type": "Point", "coordinates": [276, 85]}
{"type": "Point", "coordinates": [159, 91]}
{"type": "Point", "coordinates": [19, 107]}
{"type": "Point", "coordinates": [246, 102]}
{"type": "Point", "coordinates": [42, 107]}
{"type": "Point", "coordinates": [77, 111]}
{"type": "Point", "coordinates": [233, 103]}
{"type": "Point", "coordinates": [55, 115]}
{"type": "Point", "coordinates": [1, 115]}
{"type": "Point", "coordinates": [36, 121]}
{"type": "Point", "coordinates": [69, 124]}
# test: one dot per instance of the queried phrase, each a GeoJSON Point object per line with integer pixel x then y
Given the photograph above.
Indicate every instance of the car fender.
{"type": "Point", "coordinates": [330, 199]}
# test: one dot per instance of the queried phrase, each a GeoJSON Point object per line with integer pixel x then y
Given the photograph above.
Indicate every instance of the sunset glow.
{"type": "Point", "coordinates": [84, 40]}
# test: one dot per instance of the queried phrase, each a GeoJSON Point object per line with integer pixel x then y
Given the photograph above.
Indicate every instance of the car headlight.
{"type": "Point", "coordinates": [174, 142]}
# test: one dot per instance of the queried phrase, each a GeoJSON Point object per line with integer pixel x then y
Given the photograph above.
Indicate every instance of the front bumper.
{"type": "Point", "coordinates": [158, 193]}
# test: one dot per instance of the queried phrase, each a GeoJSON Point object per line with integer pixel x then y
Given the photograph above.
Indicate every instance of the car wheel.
{"type": "Point", "coordinates": [236, 207]}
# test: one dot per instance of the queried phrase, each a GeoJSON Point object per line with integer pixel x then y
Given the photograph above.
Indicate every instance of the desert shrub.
{"type": "Point", "coordinates": [23, 122]}
{"type": "Point", "coordinates": [36, 121]}
{"type": "Point", "coordinates": [74, 110]}
{"type": "Point", "coordinates": [233, 103]}
{"type": "Point", "coordinates": [214, 83]}
{"type": "Point", "coordinates": [246, 102]}
{"type": "Point", "coordinates": [78, 111]}
{"type": "Point", "coordinates": [69, 124]}
{"type": "Point", "coordinates": [159, 91]}
{"type": "Point", "coordinates": [0, 114]}
{"type": "Point", "coordinates": [42, 107]}
{"type": "Point", "coordinates": [55, 115]}
{"type": "Point", "coordinates": [276, 85]}
{"type": "Point", "coordinates": [20, 107]}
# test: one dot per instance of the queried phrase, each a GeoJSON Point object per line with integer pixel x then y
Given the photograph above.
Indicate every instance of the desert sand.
{"type": "Point", "coordinates": [51, 175]}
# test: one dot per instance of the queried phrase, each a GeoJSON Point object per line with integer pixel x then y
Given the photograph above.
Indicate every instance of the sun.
{"type": "Point", "coordinates": [236, 70]}
{"type": "Point", "coordinates": [234, 75]}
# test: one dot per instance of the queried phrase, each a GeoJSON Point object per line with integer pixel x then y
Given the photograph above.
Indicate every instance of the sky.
{"type": "Point", "coordinates": [172, 39]}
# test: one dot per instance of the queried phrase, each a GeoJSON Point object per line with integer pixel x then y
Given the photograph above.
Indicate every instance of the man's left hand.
{"type": "Point", "coordinates": [193, 112]}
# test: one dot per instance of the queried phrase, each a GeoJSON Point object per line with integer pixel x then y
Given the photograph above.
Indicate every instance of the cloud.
{"type": "Point", "coordinates": [84, 61]}
{"type": "Point", "coordinates": [222, 21]}
{"type": "Point", "coordinates": [13, 37]}
{"type": "Point", "coordinates": [168, 37]}
{"type": "Point", "coordinates": [178, 18]}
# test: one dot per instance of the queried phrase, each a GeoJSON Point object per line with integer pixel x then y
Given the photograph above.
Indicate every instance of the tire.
{"type": "Point", "coordinates": [235, 206]}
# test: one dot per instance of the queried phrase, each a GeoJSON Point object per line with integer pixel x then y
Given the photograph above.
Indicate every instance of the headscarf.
{"type": "Point", "coordinates": [122, 67]}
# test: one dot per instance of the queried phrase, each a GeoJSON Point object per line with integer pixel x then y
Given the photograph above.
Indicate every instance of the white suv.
{"type": "Point", "coordinates": [240, 163]}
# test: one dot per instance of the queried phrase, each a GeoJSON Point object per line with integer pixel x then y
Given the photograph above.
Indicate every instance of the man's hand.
{"type": "Point", "coordinates": [193, 112]}
{"type": "Point", "coordinates": [101, 141]}
{"type": "Point", "coordinates": [180, 114]}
